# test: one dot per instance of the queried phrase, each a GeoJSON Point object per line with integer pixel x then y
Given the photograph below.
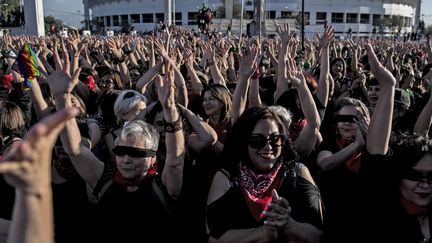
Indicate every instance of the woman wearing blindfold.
{"type": "Point", "coordinates": [344, 153]}
{"type": "Point", "coordinates": [262, 194]}
{"type": "Point", "coordinates": [133, 191]}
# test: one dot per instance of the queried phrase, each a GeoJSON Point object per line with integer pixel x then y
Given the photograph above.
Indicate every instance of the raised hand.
{"type": "Point", "coordinates": [327, 36]}
{"type": "Point", "coordinates": [284, 33]}
{"type": "Point", "coordinates": [383, 75]}
{"type": "Point", "coordinates": [248, 62]}
{"type": "Point", "coordinates": [27, 166]}
{"type": "Point", "coordinates": [166, 88]}
{"type": "Point", "coordinates": [294, 73]}
{"type": "Point", "coordinates": [60, 81]}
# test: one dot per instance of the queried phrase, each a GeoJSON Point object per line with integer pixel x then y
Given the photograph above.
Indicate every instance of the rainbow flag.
{"type": "Point", "coordinates": [28, 65]}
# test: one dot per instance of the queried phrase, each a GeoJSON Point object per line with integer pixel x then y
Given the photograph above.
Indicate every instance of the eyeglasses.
{"type": "Point", "coordinates": [259, 141]}
{"type": "Point", "coordinates": [415, 175]}
{"type": "Point", "coordinates": [133, 152]}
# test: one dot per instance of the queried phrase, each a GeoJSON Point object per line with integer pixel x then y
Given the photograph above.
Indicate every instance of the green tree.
{"type": "Point", "coordinates": [9, 6]}
{"type": "Point", "coordinates": [51, 21]}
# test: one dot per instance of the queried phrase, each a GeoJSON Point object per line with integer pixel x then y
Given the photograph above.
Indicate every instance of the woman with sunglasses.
{"type": "Point", "coordinates": [262, 194]}
{"type": "Point", "coordinates": [402, 199]}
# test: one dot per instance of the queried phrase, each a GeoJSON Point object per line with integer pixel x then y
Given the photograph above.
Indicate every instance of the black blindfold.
{"type": "Point", "coordinates": [133, 152]}
{"type": "Point", "coordinates": [345, 118]}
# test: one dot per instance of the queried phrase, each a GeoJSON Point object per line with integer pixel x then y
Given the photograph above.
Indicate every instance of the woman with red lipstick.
{"type": "Point", "coordinates": [262, 194]}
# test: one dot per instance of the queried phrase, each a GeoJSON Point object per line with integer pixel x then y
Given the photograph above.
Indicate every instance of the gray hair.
{"type": "Point", "coordinates": [141, 131]}
{"type": "Point", "coordinates": [123, 104]}
{"type": "Point", "coordinates": [283, 114]}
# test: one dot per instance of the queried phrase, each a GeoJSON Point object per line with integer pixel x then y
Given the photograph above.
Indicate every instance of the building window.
{"type": "Point", "coordinates": [250, 14]}
{"type": "Point", "coordinates": [287, 15]}
{"type": "Point", "coordinates": [147, 18]}
{"type": "Point", "coordinates": [307, 17]}
{"type": "Point", "coordinates": [352, 18]}
{"type": "Point", "coordinates": [321, 17]}
{"type": "Point", "coordinates": [376, 20]}
{"type": "Point", "coordinates": [124, 19]}
{"type": "Point", "coordinates": [135, 18]}
{"type": "Point", "coordinates": [116, 20]}
{"type": "Point", "coordinates": [364, 18]}
{"type": "Point", "coordinates": [407, 22]}
{"type": "Point", "coordinates": [160, 17]}
{"type": "Point", "coordinates": [337, 18]}
{"type": "Point", "coordinates": [108, 20]}
{"type": "Point", "coordinates": [270, 14]}
{"type": "Point", "coordinates": [192, 18]}
{"type": "Point", "coordinates": [178, 18]}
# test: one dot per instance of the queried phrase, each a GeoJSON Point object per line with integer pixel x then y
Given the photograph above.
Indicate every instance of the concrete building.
{"type": "Point", "coordinates": [387, 16]}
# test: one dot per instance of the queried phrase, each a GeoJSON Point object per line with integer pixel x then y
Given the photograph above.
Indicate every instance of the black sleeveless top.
{"type": "Point", "coordinates": [230, 211]}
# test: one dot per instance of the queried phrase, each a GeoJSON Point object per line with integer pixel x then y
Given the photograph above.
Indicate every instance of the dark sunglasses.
{"type": "Point", "coordinates": [415, 175]}
{"type": "Point", "coordinates": [258, 141]}
{"type": "Point", "coordinates": [129, 94]}
{"type": "Point", "coordinates": [345, 118]}
{"type": "Point", "coordinates": [133, 152]}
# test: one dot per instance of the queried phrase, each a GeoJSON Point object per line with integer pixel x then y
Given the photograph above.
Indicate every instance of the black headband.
{"type": "Point", "coordinates": [133, 152]}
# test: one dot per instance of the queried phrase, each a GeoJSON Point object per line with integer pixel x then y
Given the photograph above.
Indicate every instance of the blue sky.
{"type": "Point", "coordinates": [71, 11]}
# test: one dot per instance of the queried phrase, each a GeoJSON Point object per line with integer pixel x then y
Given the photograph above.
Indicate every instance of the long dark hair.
{"type": "Point", "coordinates": [236, 145]}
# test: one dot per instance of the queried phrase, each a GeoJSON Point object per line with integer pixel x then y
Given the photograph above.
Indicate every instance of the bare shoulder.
{"type": "Point", "coordinates": [304, 172]}
{"type": "Point", "coordinates": [220, 185]}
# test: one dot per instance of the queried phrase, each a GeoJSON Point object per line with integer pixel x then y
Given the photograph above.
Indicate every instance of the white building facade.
{"type": "Point", "coordinates": [387, 16]}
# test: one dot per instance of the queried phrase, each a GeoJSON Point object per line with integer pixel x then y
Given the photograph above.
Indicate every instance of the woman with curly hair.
{"type": "Point", "coordinates": [262, 192]}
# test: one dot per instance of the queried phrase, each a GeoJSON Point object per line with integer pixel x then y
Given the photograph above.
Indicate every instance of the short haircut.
{"type": "Point", "coordinates": [140, 131]}
{"type": "Point", "coordinates": [126, 101]}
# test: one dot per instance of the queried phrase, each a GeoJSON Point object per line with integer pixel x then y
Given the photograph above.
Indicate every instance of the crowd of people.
{"type": "Point", "coordinates": [174, 136]}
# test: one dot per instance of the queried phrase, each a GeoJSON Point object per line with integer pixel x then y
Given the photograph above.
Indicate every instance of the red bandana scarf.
{"type": "Point", "coordinates": [413, 209]}
{"type": "Point", "coordinates": [134, 181]}
{"type": "Point", "coordinates": [353, 163]}
{"type": "Point", "coordinates": [257, 188]}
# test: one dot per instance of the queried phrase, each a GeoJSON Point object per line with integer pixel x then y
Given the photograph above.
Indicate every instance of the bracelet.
{"type": "Point", "coordinates": [172, 127]}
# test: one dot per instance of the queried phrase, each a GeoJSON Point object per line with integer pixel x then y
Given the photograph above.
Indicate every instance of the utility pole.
{"type": "Point", "coordinates": [303, 25]}
{"type": "Point", "coordinates": [259, 14]}
{"type": "Point", "coordinates": [168, 12]}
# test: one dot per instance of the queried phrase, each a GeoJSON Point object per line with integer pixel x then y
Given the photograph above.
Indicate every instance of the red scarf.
{"type": "Point", "coordinates": [134, 181]}
{"type": "Point", "coordinates": [353, 163]}
{"type": "Point", "coordinates": [413, 209]}
{"type": "Point", "coordinates": [257, 188]}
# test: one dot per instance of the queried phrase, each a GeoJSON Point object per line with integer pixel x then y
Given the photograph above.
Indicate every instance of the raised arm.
{"type": "Point", "coordinates": [248, 65]}
{"type": "Point", "coordinates": [204, 135]}
{"type": "Point", "coordinates": [424, 121]}
{"type": "Point", "coordinates": [379, 130]}
{"type": "Point", "coordinates": [323, 90]}
{"type": "Point", "coordinates": [27, 167]}
{"type": "Point", "coordinates": [172, 175]}
{"type": "Point", "coordinates": [307, 139]}
{"type": "Point", "coordinates": [282, 81]}
{"type": "Point", "coordinates": [211, 60]}
{"type": "Point", "coordinates": [61, 85]}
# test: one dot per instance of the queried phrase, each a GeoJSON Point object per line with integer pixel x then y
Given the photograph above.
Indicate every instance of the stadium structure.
{"type": "Point", "coordinates": [363, 17]}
